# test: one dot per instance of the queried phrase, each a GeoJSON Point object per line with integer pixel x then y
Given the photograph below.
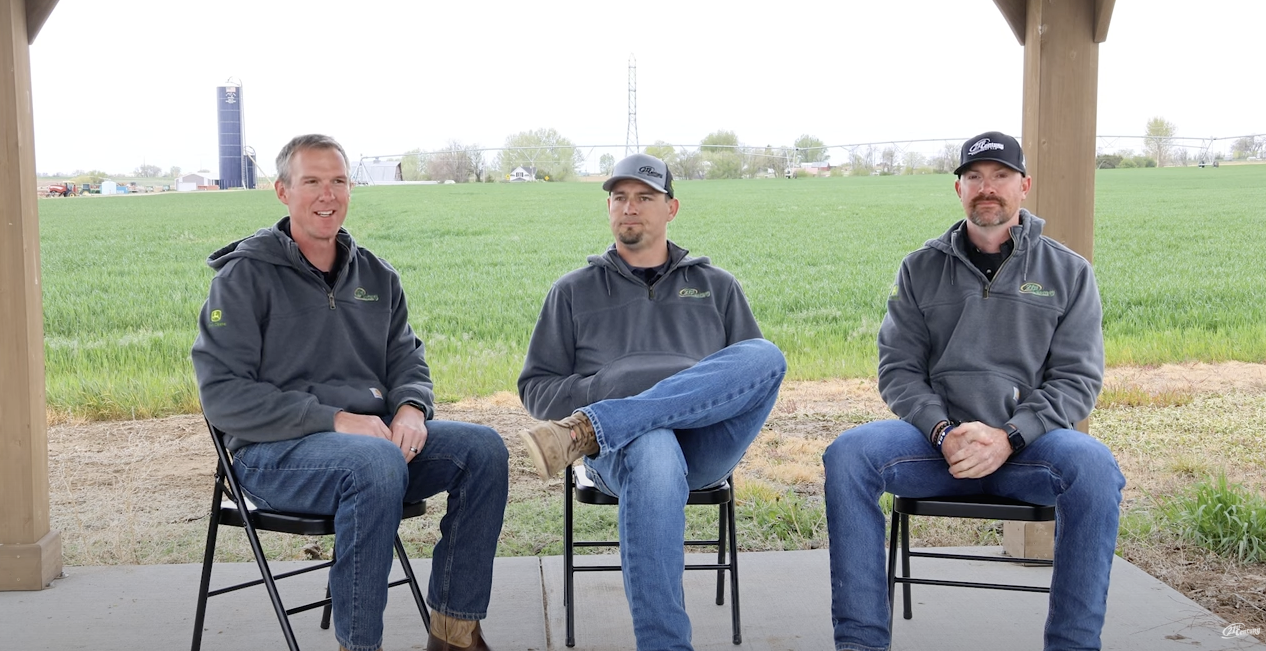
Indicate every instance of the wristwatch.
{"type": "Point", "coordinates": [412, 403]}
{"type": "Point", "coordinates": [1014, 437]}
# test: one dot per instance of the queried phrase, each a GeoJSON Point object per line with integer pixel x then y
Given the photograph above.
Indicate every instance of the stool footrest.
{"type": "Point", "coordinates": [970, 584]}
{"type": "Point", "coordinates": [991, 559]}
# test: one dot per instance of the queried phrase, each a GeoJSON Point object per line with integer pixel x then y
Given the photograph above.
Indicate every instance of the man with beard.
{"type": "Point", "coordinates": [656, 372]}
{"type": "Point", "coordinates": [990, 353]}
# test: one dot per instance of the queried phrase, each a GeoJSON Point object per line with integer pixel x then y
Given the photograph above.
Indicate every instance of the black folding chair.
{"type": "Point", "coordinates": [987, 507]}
{"type": "Point", "coordinates": [227, 504]}
{"type": "Point", "coordinates": [585, 492]}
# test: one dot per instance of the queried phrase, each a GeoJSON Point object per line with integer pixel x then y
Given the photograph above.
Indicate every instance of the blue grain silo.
{"type": "Point", "coordinates": [232, 129]}
{"type": "Point", "coordinates": [248, 168]}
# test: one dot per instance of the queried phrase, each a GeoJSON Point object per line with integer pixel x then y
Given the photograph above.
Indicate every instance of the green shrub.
{"type": "Point", "coordinates": [1108, 161]}
{"type": "Point", "coordinates": [1222, 517]}
{"type": "Point", "coordinates": [787, 521]}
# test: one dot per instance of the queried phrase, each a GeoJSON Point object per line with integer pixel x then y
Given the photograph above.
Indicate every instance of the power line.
{"type": "Point", "coordinates": [631, 144]}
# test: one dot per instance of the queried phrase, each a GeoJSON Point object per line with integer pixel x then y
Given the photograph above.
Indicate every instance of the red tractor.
{"type": "Point", "coordinates": [66, 189]}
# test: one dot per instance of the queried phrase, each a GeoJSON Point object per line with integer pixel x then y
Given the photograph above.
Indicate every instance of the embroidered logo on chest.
{"type": "Point", "coordinates": [1036, 290]}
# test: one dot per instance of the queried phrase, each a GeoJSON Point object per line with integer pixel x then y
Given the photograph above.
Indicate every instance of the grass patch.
{"type": "Point", "coordinates": [770, 519]}
{"type": "Point", "coordinates": [1133, 396]}
{"type": "Point", "coordinates": [124, 277]}
{"type": "Point", "coordinates": [1223, 517]}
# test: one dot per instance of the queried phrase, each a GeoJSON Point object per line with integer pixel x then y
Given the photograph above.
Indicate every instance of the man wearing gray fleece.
{"type": "Point", "coordinates": [990, 353]}
{"type": "Point", "coordinates": [306, 360]}
{"type": "Point", "coordinates": [656, 373]}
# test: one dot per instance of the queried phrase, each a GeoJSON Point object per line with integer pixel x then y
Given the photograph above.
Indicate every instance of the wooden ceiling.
{"type": "Point", "coordinates": [37, 11]}
{"type": "Point", "coordinates": [1016, 13]}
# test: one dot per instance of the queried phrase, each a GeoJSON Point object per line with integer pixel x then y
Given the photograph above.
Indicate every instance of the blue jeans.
{"type": "Point", "coordinates": [1064, 467]}
{"type": "Point", "coordinates": [365, 482]}
{"type": "Point", "coordinates": [688, 431]}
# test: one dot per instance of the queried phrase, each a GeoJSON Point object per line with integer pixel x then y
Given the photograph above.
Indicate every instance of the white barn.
{"type": "Point", "coordinates": [194, 180]}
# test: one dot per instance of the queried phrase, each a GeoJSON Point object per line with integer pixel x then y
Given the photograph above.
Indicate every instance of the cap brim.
{"type": "Point", "coordinates": [608, 184]}
{"type": "Point", "coordinates": [959, 171]}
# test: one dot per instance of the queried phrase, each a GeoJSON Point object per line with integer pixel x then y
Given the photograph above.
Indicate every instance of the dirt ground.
{"type": "Point", "coordinates": [117, 487]}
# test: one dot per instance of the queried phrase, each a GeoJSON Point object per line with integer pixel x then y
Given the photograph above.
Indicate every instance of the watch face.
{"type": "Point", "coordinates": [1017, 441]}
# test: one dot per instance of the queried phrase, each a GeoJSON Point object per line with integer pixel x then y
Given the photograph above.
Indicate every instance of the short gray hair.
{"type": "Point", "coordinates": [309, 141]}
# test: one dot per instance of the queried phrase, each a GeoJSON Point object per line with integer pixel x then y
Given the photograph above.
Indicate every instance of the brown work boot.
{"type": "Point", "coordinates": [450, 634]}
{"type": "Point", "coordinates": [555, 444]}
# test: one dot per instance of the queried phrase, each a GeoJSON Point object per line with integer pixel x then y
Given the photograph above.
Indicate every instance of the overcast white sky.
{"type": "Point", "coordinates": [119, 84]}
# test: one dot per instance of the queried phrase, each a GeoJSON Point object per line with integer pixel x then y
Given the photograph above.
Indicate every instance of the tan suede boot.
{"type": "Point", "coordinates": [451, 634]}
{"type": "Point", "coordinates": [555, 444]}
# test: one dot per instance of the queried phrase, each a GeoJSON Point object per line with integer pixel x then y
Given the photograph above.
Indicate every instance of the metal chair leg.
{"type": "Point", "coordinates": [892, 566]}
{"type": "Point", "coordinates": [721, 527]}
{"type": "Point", "coordinates": [208, 560]}
{"type": "Point", "coordinates": [413, 583]}
{"type": "Point", "coordinates": [569, 567]}
{"type": "Point", "coordinates": [735, 617]}
{"type": "Point", "coordinates": [270, 584]}
{"type": "Point", "coordinates": [325, 612]}
{"type": "Point", "coordinates": [905, 565]}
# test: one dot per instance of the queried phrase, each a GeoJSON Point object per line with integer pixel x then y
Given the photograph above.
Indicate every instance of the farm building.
{"type": "Point", "coordinates": [196, 181]}
{"type": "Point", "coordinates": [521, 174]}
{"type": "Point", "coordinates": [378, 173]}
{"type": "Point", "coordinates": [815, 168]}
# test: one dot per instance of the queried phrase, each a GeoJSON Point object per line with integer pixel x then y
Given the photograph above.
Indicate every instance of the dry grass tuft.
{"type": "Point", "coordinates": [1134, 396]}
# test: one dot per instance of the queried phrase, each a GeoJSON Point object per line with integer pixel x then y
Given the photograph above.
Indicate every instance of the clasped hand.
{"type": "Point", "coordinates": [974, 450]}
{"type": "Point", "coordinates": [407, 431]}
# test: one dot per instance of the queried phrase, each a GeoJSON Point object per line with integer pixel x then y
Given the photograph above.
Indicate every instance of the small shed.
{"type": "Point", "coordinates": [109, 187]}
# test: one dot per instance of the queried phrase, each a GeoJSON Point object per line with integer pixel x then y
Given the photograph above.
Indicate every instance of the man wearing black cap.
{"type": "Point", "coordinates": [990, 353]}
{"type": "Point", "coordinates": [653, 370]}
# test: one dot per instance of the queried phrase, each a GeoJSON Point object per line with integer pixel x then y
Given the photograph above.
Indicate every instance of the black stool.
{"type": "Point", "coordinates": [988, 507]}
{"type": "Point", "coordinates": [584, 490]}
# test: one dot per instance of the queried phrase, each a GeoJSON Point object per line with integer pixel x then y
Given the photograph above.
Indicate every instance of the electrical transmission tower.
{"type": "Point", "coordinates": [631, 145]}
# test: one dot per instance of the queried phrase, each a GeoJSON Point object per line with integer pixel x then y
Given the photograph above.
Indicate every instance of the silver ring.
{"type": "Point", "coordinates": [414, 450]}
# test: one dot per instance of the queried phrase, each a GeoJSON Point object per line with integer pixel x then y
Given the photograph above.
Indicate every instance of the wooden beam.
{"type": "Point", "coordinates": [37, 11]}
{"type": "Point", "coordinates": [1061, 83]}
{"type": "Point", "coordinates": [1014, 11]}
{"type": "Point", "coordinates": [30, 553]}
{"type": "Point", "coordinates": [1103, 16]}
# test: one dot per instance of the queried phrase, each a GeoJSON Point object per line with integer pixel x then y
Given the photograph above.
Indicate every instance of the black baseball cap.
{"type": "Point", "coordinates": [992, 146]}
{"type": "Point", "coordinates": [645, 168]}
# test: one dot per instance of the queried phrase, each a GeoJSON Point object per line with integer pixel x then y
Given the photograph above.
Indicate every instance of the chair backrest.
{"type": "Point", "coordinates": [225, 481]}
{"type": "Point", "coordinates": [233, 503]}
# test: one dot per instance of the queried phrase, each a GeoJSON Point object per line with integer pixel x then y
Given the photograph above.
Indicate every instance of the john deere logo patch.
{"type": "Point", "coordinates": [215, 316]}
{"type": "Point", "coordinates": [1036, 290]}
{"type": "Point", "coordinates": [689, 292]}
{"type": "Point", "coordinates": [361, 295]}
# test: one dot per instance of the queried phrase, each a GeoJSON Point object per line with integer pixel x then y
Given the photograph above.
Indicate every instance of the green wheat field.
{"type": "Point", "coordinates": [1178, 254]}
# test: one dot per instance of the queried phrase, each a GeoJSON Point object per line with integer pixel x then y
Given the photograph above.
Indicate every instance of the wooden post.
{"type": "Point", "coordinates": [30, 553]}
{"type": "Point", "coordinates": [1061, 88]}
{"type": "Point", "coordinates": [1061, 85]}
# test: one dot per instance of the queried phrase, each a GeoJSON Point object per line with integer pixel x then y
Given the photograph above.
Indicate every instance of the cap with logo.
{"type": "Point", "coordinates": [992, 146]}
{"type": "Point", "coordinates": [645, 168]}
